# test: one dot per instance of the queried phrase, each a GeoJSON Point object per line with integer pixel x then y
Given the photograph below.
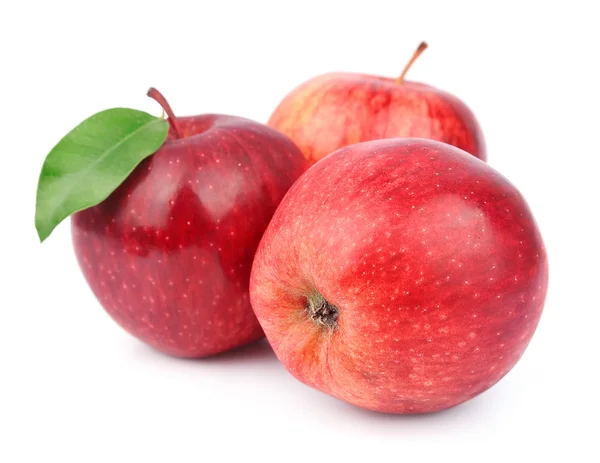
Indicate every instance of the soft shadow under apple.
{"type": "Point", "coordinates": [256, 352]}
{"type": "Point", "coordinates": [479, 407]}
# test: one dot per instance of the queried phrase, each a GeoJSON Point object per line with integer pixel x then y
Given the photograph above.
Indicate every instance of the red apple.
{"type": "Point", "coordinates": [339, 109]}
{"type": "Point", "coordinates": [400, 275]}
{"type": "Point", "coordinates": [169, 253]}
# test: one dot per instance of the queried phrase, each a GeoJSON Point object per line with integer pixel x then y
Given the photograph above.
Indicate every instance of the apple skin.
{"type": "Point", "coordinates": [169, 253]}
{"type": "Point", "coordinates": [339, 109]}
{"type": "Point", "coordinates": [432, 261]}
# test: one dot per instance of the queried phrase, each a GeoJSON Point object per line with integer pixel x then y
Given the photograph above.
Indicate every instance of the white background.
{"type": "Point", "coordinates": [75, 388]}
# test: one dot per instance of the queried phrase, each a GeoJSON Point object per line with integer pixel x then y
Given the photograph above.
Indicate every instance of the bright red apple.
{"type": "Point", "coordinates": [400, 275]}
{"type": "Point", "coordinates": [339, 109]}
{"type": "Point", "coordinates": [169, 253]}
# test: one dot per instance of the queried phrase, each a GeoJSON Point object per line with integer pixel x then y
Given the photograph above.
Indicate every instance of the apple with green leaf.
{"type": "Point", "coordinates": [339, 109]}
{"type": "Point", "coordinates": [166, 217]}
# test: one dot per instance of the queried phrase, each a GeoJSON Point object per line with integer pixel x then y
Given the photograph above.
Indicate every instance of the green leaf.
{"type": "Point", "coordinates": [92, 160]}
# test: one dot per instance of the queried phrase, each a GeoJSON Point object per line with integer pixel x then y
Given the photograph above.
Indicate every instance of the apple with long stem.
{"type": "Point", "coordinates": [400, 275]}
{"type": "Point", "coordinates": [168, 253]}
{"type": "Point", "coordinates": [339, 109]}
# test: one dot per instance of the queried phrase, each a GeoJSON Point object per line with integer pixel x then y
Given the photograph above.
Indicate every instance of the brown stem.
{"type": "Point", "coordinates": [420, 49]}
{"type": "Point", "coordinates": [162, 101]}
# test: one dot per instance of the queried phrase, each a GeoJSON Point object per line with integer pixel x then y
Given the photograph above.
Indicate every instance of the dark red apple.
{"type": "Point", "coordinates": [339, 109]}
{"type": "Point", "coordinates": [169, 253]}
{"type": "Point", "coordinates": [400, 275]}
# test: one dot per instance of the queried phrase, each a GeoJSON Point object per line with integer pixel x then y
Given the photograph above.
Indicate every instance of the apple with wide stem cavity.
{"type": "Point", "coordinates": [169, 253]}
{"type": "Point", "coordinates": [339, 109]}
{"type": "Point", "coordinates": [400, 275]}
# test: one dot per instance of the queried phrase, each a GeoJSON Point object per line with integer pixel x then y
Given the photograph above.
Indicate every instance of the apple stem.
{"type": "Point", "coordinates": [162, 101]}
{"type": "Point", "coordinates": [420, 49]}
{"type": "Point", "coordinates": [321, 311]}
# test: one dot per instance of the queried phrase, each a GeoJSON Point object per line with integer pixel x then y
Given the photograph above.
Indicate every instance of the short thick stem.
{"type": "Point", "coordinates": [321, 311]}
{"type": "Point", "coordinates": [162, 101]}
